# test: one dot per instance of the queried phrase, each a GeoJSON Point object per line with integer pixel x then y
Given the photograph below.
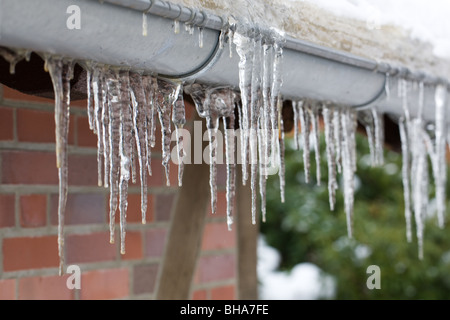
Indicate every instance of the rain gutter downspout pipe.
{"type": "Point", "coordinates": [112, 33]}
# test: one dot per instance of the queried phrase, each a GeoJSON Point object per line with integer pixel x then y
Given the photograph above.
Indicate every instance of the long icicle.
{"type": "Point", "coordinates": [314, 114]}
{"type": "Point", "coordinates": [179, 120]}
{"type": "Point", "coordinates": [61, 73]}
{"type": "Point", "coordinates": [230, 148]}
{"type": "Point", "coordinates": [281, 150]}
{"type": "Point", "coordinates": [114, 141]}
{"type": "Point", "coordinates": [328, 114]}
{"type": "Point", "coordinates": [348, 166]}
{"type": "Point", "coordinates": [404, 124]}
{"type": "Point", "coordinates": [126, 146]}
{"type": "Point", "coordinates": [98, 128]}
{"type": "Point", "coordinates": [305, 125]}
{"type": "Point", "coordinates": [105, 129]}
{"type": "Point", "coordinates": [440, 152]}
{"type": "Point", "coordinates": [164, 101]}
{"type": "Point", "coordinates": [139, 103]}
{"type": "Point", "coordinates": [405, 175]}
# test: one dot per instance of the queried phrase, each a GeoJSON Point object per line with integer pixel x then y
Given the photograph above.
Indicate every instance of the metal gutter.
{"type": "Point", "coordinates": [111, 33]}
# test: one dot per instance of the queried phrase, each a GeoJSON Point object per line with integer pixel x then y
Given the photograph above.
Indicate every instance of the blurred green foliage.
{"type": "Point", "coordinates": [303, 229]}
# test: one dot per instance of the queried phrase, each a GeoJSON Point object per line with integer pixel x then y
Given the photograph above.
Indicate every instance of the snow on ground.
{"type": "Point", "coordinates": [306, 281]}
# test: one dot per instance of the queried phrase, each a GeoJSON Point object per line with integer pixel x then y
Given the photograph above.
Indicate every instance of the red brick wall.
{"type": "Point", "coordinates": [28, 217]}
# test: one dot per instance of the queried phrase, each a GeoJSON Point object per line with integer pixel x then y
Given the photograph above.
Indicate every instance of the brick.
{"type": "Point", "coordinates": [222, 174]}
{"type": "Point", "coordinates": [45, 288]}
{"type": "Point", "coordinates": [223, 293]}
{"type": "Point", "coordinates": [155, 240]}
{"type": "Point", "coordinates": [39, 126]}
{"type": "Point", "coordinates": [215, 267]}
{"type": "Point", "coordinates": [134, 214]}
{"type": "Point", "coordinates": [199, 295]}
{"type": "Point", "coordinates": [8, 289]}
{"type": "Point", "coordinates": [221, 205]}
{"type": "Point", "coordinates": [81, 208]}
{"type": "Point", "coordinates": [33, 210]}
{"type": "Point", "coordinates": [12, 94]}
{"type": "Point", "coordinates": [173, 174]}
{"type": "Point", "coordinates": [30, 253]}
{"type": "Point", "coordinates": [163, 206]}
{"type": "Point", "coordinates": [29, 167]}
{"type": "Point", "coordinates": [83, 170]}
{"type": "Point", "coordinates": [158, 177]}
{"type": "Point", "coordinates": [104, 284]}
{"type": "Point", "coordinates": [144, 278]}
{"type": "Point", "coordinates": [82, 104]}
{"type": "Point", "coordinates": [133, 246]}
{"type": "Point", "coordinates": [7, 218]}
{"type": "Point", "coordinates": [216, 236]}
{"type": "Point", "coordinates": [85, 136]}
{"type": "Point", "coordinates": [6, 124]}
{"type": "Point", "coordinates": [89, 248]}
{"type": "Point", "coordinates": [190, 110]}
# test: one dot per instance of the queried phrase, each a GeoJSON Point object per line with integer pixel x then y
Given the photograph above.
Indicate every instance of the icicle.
{"type": "Point", "coordinates": [125, 149]}
{"type": "Point", "coordinates": [254, 117]}
{"type": "Point", "coordinates": [405, 175]}
{"type": "Point", "coordinates": [96, 85]}
{"type": "Point", "coordinates": [419, 178]}
{"type": "Point", "coordinates": [231, 167]}
{"type": "Point", "coordinates": [367, 119]}
{"type": "Point", "coordinates": [230, 34]}
{"type": "Point", "coordinates": [90, 107]}
{"type": "Point", "coordinates": [275, 108]}
{"type": "Point", "coordinates": [13, 57]}
{"type": "Point", "coordinates": [440, 172]}
{"type": "Point", "coordinates": [200, 37]}
{"type": "Point", "coordinates": [144, 24]}
{"type": "Point", "coordinates": [139, 102]}
{"type": "Point", "coordinates": [281, 147]}
{"type": "Point", "coordinates": [305, 124]}
{"type": "Point", "coordinates": [244, 48]}
{"type": "Point", "coordinates": [105, 130]}
{"type": "Point", "coordinates": [149, 90]}
{"type": "Point", "coordinates": [212, 127]}
{"type": "Point", "coordinates": [114, 106]}
{"type": "Point", "coordinates": [296, 105]}
{"type": "Point", "coordinates": [316, 142]}
{"type": "Point", "coordinates": [378, 137]}
{"type": "Point", "coordinates": [387, 88]}
{"type": "Point", "coordinates": [176, 26]}
{"type": "Point", "coordinates": [328, 113]}
{"type": "Point", "coordinates": [61, 73]}
{"type": "Point", "coordinates": [179, 119]}
{"type": "Point", "coordinates": [212, 104]}
{"type": "Point", "coordinates": [266, 125]}
{"type": "Point", "coordinates": [348, 166]}
{"type": "Point", "coordinates": [337, 132]}
{"type": "Point", "coordinates": [164, 100]}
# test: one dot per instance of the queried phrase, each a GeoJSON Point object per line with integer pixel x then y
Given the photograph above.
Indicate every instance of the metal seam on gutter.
{"type": "Point", "coordinates": [209, 62]}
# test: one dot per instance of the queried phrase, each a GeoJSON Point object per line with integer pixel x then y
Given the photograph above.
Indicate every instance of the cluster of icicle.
{"type": "Point", "coordinates": [419, 143]}
{"type": "Point", "coordinates": [124, 107]}
{"type": "Point", "coordinates": [340, 128]}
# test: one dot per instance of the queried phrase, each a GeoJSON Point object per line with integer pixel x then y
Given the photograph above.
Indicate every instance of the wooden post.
{"type": "Point", "coordinates": [247, 240]}
{"type": "Point", "coordinates": [185, 234]}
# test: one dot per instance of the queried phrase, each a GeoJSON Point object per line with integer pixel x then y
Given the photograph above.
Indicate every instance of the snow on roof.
{"type": "Point", "coordinates": [410, 33]}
